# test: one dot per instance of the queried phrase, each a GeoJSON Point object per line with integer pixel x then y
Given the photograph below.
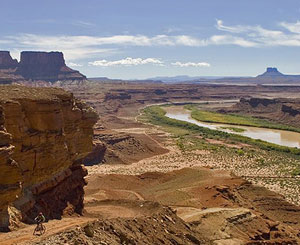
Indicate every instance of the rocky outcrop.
{"type": "Point", "coordinates": [5, 78]}
{"type": "Point", "coordinates": [46, 66]}
{"type": "Point", "coordinates": [161, 227]}
{"type": "Point", "coordinates": [290, 110]}
{"type": "Point", "coordinates": [284, 111]}
{"type": "Point", "coordinates": [117, 96]}
{"type": "Point", "coordinates": [254, 102]}
{"type": "Point", "coordinates": [6, 61]}
{"type": "Point", "coordinates": [44, 134]}
{"type": "Point", "coordinates": [113, 147]}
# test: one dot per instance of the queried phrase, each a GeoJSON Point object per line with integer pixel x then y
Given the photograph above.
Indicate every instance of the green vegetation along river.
{"type": "Point", "coordinates": [279, 137]}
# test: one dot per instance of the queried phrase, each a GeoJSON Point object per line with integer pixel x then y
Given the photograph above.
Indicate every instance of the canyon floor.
{"type": "Point", "coordinates": [152, 190]}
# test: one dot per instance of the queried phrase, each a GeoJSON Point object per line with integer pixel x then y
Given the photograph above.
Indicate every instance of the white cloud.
{"type": "Point", "coordinates": [83, 24]}
{"type": "Point", "coordinates": [79, 47]}
{"type": "Point", "coordinates": [233, 40]}
{"type": "Point", "coordinates": [172, 30]}
{"type": "Point", "coordinates": [233, 29]}
{"type": "Point", "coordinates": [292, 27]}
{"type": "Point", "coordinates": [82, 47]}
{"type": "Point", "coordinates": [257, 36]}
{"type": "Point", "coordinates": [127, 62]}
{"type": "Point", "coordinates": [74, 64]}
{"type": "Point", "coordinates": [190, 41]}
{"type": "Point", "coordinates": [258, 30]}
{"type": "Point", "coordinates": [191, 64]}
{"type": "Point", "coordinates": [73, 47]}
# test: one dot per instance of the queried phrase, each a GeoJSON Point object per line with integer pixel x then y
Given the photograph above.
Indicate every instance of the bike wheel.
{"type": "Point", "coordinates": [43, 230]}
{"type": "Point", "coordinates": [35, 230]}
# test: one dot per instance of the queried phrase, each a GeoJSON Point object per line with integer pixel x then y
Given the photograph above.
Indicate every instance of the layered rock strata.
{"type": "Point", "coordinates": [44, 135]}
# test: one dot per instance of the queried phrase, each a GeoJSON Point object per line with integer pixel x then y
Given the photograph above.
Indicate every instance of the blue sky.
{"type": "Point", "coordinates": [140, 39]}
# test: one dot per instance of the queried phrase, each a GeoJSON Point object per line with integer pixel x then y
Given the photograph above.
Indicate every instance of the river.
{"type": "Point", "coordinates": [279, 137]}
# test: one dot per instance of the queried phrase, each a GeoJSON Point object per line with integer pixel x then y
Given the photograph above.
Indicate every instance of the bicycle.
{"type": "Point", "coordinates": [39, 228]}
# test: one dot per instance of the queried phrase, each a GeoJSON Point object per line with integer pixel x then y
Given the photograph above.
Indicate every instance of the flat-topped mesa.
{"type": "Point", "coordinates": [271, 72]}
{"type": "Point", "coordinates": [44, 135]}
{"type": "Point", "coordinates": [272, 69]}
{"type": "Point", "coordinates": [6, 61]}
{"type": "Point", "coordinates": [46, 66]}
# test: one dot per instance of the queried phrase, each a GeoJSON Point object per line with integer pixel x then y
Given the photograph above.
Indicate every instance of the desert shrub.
{"type": "Point", "coordinates": [240, 152]}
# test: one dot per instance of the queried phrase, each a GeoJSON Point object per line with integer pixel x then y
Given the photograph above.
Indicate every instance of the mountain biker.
{"type": "Point", "coordinates": [40, 219]}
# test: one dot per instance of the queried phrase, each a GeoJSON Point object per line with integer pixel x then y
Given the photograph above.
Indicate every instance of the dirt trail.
{"type": "Point", "coordinates": [134, 193]}
{"type": "Point", "coordinates": [107, 209]}
{"type": "Point", "coordinates": [52, 227]}
{"type": "Point", "coordinates": [144, 131]}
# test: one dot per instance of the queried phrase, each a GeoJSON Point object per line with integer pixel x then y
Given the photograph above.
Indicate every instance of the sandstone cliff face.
{"type": "Point", "coordinates": [10, 173]}
{"type": "Point", "coordinates": [46, 66]}
{"type": "Point", "coordinates": [6, 61]}
{"type": "Point", "coordinates": [44, 134]}
{"type": "Point", "coordinates": [7, 68]}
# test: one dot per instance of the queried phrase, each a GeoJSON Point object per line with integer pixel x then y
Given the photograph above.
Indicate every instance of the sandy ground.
{"type": "Point", "coordinates": [52, 227]}
{"type": "Point", "coordinates": [268, 176]}
{"type": "Point", "coordinates": [96, 206]}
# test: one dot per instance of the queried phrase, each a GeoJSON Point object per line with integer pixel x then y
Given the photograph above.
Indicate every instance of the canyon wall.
{"type": "Point", "coordinates": [44, 135]}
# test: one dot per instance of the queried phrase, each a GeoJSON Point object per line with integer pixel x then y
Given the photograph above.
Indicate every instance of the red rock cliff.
{"type": "Point", "coordinates": [46, 66]}
{"type": "Point", "coordinates": [44, 134]}
{"type": "Point", "coordinates": [6, 61]}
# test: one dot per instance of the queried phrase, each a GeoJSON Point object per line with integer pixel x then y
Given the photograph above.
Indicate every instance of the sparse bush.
{"type": "Point", "coordinates": [296, 172]}
{"type": "Point", "coordinates": [261, 161]}
{"type": "Point", "coordinates": [240, 152]}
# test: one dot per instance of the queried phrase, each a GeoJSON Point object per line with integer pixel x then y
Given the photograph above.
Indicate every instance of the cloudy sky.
{"type": "Point", "coordinates": [142, 38]}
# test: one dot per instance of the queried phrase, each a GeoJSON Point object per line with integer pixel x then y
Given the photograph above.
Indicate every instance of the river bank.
{"type": "Point", "coordinates": [275, 136]}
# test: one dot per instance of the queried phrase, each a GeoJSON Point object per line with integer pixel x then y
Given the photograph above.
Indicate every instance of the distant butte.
{"type": "Point", "coordinates": [6, 61]}
{"type": "Point", "coordinates": [38, 66]}
{"type": "Point", "coordinates": [271, 72]}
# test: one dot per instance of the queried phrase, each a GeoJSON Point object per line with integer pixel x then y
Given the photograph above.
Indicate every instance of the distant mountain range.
{"type": "Point", "coordinates": [183, 78]}
{"type": "Point", "coordinates": [270, 76]}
